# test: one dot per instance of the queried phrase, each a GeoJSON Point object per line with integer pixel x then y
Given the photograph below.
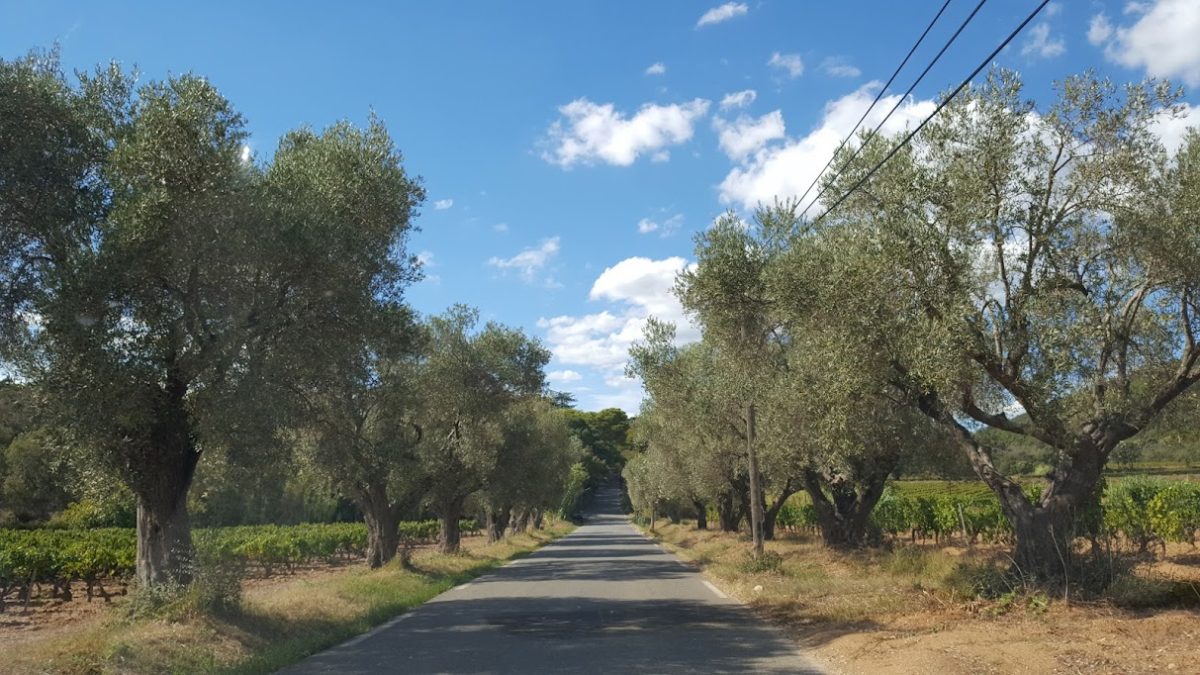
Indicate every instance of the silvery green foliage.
{"type": "Point", "coordinates": [1040, 260]}
{"type": "Point", "coordinates": [469, 379]}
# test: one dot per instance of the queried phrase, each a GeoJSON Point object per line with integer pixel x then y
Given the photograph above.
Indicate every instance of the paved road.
{"type": "Point", "coordinates": [602, 600]}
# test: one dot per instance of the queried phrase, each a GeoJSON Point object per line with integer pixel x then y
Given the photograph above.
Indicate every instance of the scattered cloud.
{"type": "Point", "coordinates": [1041, 45]}
{"type": "Point", "coordinates": [500, 227]}
{"type": "Point", "coordinates": [530, 263]}
{"type": "Point", "coordinates": [747, 135]}
{"type": "Point", "coordinates": [443, 204]}
{"type": "Point", "coordinates": [786, 169]}
{"type": "Point", "coordinates": [1099, 30]}
{"type": "Point", "coordinates": [1172, 129]}
{"type": "Point", "coordinates": [723, 13]}
{"type": "Point", "coordinates": [838, 66]}
{"type": "Point", "coordinates": [246, 154]}
{"type": "Point", "coordinates": [664, 227]}
{"type": "Point", "coordinates": [635, 289]}
{"type": "Point", "coordinates": [791, 64]}
{"type": "Point", "coordinates": [593, 132]}
{"type": "Point", "coordinates": [738, 99]}
{"type": "Point", "coordinates": [657, 69]}
{"type": "Point", "coordinates": [563, 376]}
{"type": "Point", "coordinates": [1162, 39]}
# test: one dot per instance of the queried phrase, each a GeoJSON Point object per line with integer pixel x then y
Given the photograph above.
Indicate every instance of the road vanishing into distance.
{"type": "Point", "coordinates": [603, 599]}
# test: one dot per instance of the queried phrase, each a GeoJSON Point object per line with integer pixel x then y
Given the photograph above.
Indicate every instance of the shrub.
{"type": "Point", "coordinates": [767, 563]}
{"type": "Point", "coordinates": [981, 580]}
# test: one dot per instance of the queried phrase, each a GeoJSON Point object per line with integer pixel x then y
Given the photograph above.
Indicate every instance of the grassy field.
{"type": "Point", "coordinates": [278, 621]}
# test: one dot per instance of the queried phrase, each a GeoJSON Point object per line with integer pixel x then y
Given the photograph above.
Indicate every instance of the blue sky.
{"type": "Point", "coordinates": [571, 149]}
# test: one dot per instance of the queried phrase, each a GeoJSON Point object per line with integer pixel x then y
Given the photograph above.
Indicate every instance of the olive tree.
{"type": "Point", "coordinates": [535, 456]}
{"type": "Point", "coordinates": [832, 407]}
{"type": "Point", "coordinates": [727, 292]}
{"type": "Point", "coordinates": [357, 423]}
{"type": "Point", "coordinates": [1035, 261]}
{"type": "Point", "coordinates": [155, 282]}
{"type": "Point", "coordinates": [469, 379]}
{"type": "Point", "coordinates": [704, 428]}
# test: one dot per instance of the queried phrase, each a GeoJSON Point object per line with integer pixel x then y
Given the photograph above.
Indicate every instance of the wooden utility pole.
{"type": "Point", "coordinates": [756, 510]}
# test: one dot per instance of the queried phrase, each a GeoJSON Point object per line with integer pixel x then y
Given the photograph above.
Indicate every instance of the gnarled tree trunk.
{"type": "Point", "coordinates": [164, 538]}
{"type": "Point", "coordinates": [1045, 529]}
{"type": "Point", "coordinates": [497, 523]}
{"type": "Point", "coordinates": [383, 524]}
{"type": "Point", "coordinates": [701, 514]}
{"type": "Point", "coordinates": [449, 513]}
{"type": "Point", "coordinates": [521, 522]}
{"type": "Point", "coordinates": [160, 480]}
{"type": "Point", "coordinates": [844, 513]}
{"type": "Point", "coordinates": [727, 513]}
{"type": "Point", "coordinates": [771, 513]}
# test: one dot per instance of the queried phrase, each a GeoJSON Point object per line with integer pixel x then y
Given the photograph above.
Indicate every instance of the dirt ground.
{"type": "Point", "coordinates": [892, 612]}
{"type": "Point", "coordinates": [1091, 640]}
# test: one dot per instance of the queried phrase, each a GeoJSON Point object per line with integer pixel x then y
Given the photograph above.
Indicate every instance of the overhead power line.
{"type": "Point", "coordinates": [962, 85]}
{"type": "Point", "coordinates": [899, 101]}
{"type": "Point", "coordinates": [878, 96]}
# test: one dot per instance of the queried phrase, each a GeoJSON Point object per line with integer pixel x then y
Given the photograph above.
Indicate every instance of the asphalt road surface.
{"type": "Point", "coordinates": [603, 599]}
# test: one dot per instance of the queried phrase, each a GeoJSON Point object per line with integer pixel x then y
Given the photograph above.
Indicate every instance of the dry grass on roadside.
{"type": "Point", "coordinates": [277, 624]}
{"type": "Point", "coordinates": [909, 610]}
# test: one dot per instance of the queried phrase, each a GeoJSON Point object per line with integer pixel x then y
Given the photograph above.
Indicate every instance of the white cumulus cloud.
{"type": "Point", "coordinates": [657, 69]}
{"type": "Point", "coordinates": [786, 169]}
{"type": "Point", "coordinates": [722, 13]}
{"type": "Point", "coordinates": [563, 376]}
{"type": "Point", "coordinates": [1041, 45]}
{"type": "Point", "coordinates": [791, 64]}
{"type": "Point", "coordinates": [594, 132]}
{"type": "Point", "coordinates": [530, 263]}
{"type": "Point", "coordinates": [1163, 39]}
{"type": "Point", "coordinates": [738, 99]}
{"type": "Point", "coordinates": [443, 204]}
{"type": "Point", "coordinates": [1099, 30]}
{"type": "Point", "coordinates": [1172, 129]}
{"type": "Point", "coordinates": [634, 289]}
{"type": "Point", "coordinates": [747, 135]}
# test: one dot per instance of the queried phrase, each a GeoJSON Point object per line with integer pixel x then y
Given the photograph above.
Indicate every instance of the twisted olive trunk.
{"type": "Point", "coordinates": [844, 513]}
{"type": "Point", "coordinates": [727, 514]}
{"type": "Point", "coordinates": [383, 524]}
{"type": "Point", "coordinates": [497, 523]}
{"type": "Point", "coordinates": [771, 513]}
{"type": "Point", "coordinates": [160, 477]}
{"type": "Point", "coordinates": [449, 513]}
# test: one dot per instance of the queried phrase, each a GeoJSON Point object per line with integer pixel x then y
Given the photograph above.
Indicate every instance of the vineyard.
{"type": "Point", "coordinates": [35, 562]}
{"type": "Point", "coordinates": [1143, 512]}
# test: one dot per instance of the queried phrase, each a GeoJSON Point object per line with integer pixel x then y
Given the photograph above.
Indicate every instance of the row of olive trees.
{"type": "Point", "coordinates": [1035, 271]}
{"type": "Point", "coordinates": [168, 298]}
{"type": "Point", "coordinates": [431, 414]}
